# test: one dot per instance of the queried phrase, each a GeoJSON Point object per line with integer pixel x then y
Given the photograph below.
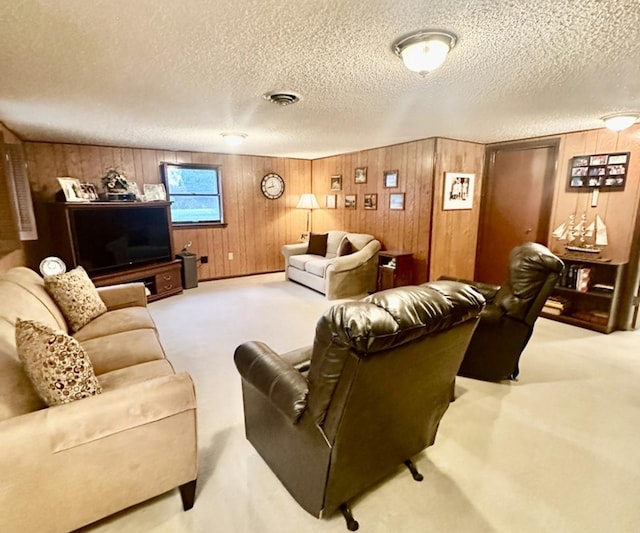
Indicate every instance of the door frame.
{"type": "Point", "coordinates": [548, 189]}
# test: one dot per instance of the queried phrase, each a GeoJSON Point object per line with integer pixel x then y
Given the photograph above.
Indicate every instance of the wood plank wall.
{"type": "Point", "coordinates": [454, 235]}
{"type": "Point", "coordinates": [406, 230]}
{"type": "Point", "coordinates": [442, 242]}
{"type": "Point", "coordinates": [618, 209]}
{"type": "Point", "coordinates": [256, 227]}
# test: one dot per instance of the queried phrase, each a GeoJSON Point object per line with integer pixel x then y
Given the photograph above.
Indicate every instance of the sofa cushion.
{"type": "Point", "coordinates": [116, 321]}
{"type": "Point", "coordinates": [317, 266]}
{"type": "Point", "coordinates": [345, 247]}
{"type": "Point", "coordinates": [360, 240]}
{"type": "Point", "coordinates": [125, 377]}
{"type": "Point", "coordinates": [333, 242]}
{"type": "Point", "coordinates": [58, 366]}
{"type": "Point", "coordinates": [317, 244]}
{"type": "Point", "coordinates": [299, 261]}
{"type": "Point", "coordinates": [77, 297]}
{"type": "Point", "coordinates": [120, 350]}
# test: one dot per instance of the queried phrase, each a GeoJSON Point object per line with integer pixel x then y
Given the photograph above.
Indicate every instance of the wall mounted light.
{"type": "Point", "coordinates": [308, 201]}
{"type": "Point", "coordinates": [425, 50]}
{"type": "Point", "coordinates": [620, 121]}
{"type": "Point", "coordinates": [233, 139]}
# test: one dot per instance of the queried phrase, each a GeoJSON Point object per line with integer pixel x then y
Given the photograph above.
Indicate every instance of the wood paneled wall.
{"type": "Point", "coordinates": [618, 209]}
{"type": "Point", "coordinates": [454, 235]}
{"type": "Point", "coordinates": [256, 227]}
{"type": "Point", "coordinates": [441, 241]}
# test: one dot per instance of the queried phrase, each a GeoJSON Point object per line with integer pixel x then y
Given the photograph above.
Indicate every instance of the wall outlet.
{"type": "Point", "coordinates": [230, 256]}
{"type": "Point", "coordinates": [204, 259]}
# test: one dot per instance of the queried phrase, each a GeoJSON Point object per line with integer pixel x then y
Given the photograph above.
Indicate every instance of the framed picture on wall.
{"type": "Point", "coordinates": [336, 183]}
{"type": "Point", "coordinates": [332, 201]}
{"type": "Point", "coordinates": [607, 171]}
{"type": "Point", "coordinates": [396, 201]}
{"type": "Point", "coordinates": [390, 178]}
{"type": "Point", "coordinates": [360, 175]}
{"type": "Point", "coordinates": [458, 190]}
{"type": "Point", "coordinates": [371, 201]}
{"type": "Point", "coordinates": [350, 201]}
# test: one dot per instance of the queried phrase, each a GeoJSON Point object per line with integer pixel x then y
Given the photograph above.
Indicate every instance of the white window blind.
{"type": "Point", "coordinates": [20, 191]}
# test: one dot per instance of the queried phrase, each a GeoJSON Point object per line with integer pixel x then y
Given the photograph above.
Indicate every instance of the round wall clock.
{"type": "Point", "coordinates": [272, 186]}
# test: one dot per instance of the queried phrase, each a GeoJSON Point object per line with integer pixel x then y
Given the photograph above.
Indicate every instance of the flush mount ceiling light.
{"type": "Point", "coordinates": [424, 51]}
{"type": "Point", "coordinates": [620, 121]}
{"type": "Point", "coordinates": [234, 139]}
{"type": "Point", "coordinates": [281, 98]}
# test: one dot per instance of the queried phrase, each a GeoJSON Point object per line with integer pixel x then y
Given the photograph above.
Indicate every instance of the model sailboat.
{"type": "Point", "coordinates": [582, 237]}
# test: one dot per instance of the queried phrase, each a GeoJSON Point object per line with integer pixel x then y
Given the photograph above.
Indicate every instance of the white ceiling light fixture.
{"type": "Point", "coordinates": [620, 121]}
{"type": "Point", "coordinates": [234, 139]}
{"type": "Point", "coordinates": [425, 50]}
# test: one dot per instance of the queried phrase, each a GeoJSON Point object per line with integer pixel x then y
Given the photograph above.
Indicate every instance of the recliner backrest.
{"type": "Point", "coordinates": [379, 323]}
{"type": "Point", "coordinates": [533, 272]}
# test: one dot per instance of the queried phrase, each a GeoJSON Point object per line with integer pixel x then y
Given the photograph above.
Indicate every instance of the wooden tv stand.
{"type": "Point", "coordinates": [161, 279]}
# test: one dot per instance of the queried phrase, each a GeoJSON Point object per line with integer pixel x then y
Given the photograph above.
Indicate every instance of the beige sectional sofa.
{"type": "Point", "coordinates": [68, 465]}
{"type": "Point", "coordinates": [333, 275]}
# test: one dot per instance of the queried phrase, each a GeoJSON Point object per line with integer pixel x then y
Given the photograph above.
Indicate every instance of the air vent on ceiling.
{"type": "Point", "coordinates": [282, 98]}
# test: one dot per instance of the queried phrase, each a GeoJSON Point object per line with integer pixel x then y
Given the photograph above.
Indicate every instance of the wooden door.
{"type": "Point", "coordinates": [516, 203]}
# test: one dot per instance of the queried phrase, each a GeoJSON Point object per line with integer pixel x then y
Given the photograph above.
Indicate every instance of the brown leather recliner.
{"type": "Point", "coordinates": [506, 323]}
{"type": "Point", "coordinates": [333, 419]}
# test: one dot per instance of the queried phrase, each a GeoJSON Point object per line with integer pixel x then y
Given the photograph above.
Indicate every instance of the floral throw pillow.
{"type": "Point", "coordinates": [55, 362]}
{"type": "Point", "coordinates": [76, 296]}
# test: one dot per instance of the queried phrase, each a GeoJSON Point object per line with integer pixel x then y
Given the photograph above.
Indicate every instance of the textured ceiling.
{"type": "Point", "coordinates": [175, 74]}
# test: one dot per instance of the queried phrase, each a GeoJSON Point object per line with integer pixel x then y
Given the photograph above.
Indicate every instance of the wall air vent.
{"type": "Point", "coordinates": [282, 98]}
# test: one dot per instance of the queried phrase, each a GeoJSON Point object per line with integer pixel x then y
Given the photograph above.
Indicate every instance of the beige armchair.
{"type": "Point", "coordinates": [334, 274]}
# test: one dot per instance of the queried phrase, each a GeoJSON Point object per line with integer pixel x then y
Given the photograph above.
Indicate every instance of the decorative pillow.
{"type": "Point", "coordinates": [76, 296]}
{"type": "Point", "coordinates": [56, 363]}
{"type": "Point", "coordinates": [318, 244]}
{"type": "Point", "coordinates": [345, 248]}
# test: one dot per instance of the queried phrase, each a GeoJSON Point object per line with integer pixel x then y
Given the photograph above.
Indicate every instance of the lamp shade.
{"type": "Point", "coordinates": [308, 201]}
{"type": "Point", "coordinates": [619, 121]}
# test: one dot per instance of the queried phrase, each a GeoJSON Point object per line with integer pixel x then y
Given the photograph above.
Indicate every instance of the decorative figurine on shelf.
{"type": "Point", "coordinates": [116, 187]}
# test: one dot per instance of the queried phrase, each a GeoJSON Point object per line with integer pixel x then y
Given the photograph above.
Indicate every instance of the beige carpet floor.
{"type": "Point", "coordinates": [557, 451]}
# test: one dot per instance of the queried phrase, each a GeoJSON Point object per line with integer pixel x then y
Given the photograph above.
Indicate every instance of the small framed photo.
{"type": "Point", "coordinates": [371, 201]}
{"type": "Point", "coordinates": [396, 201]}
{"type": "Point", "coordinates": [350, 201]}
{"type": "Point", "coordinates": [89, 191]}
{"type": "Point", "coordinates": [458, 190]}
{"type": "Point", "coordinates": [155, 192]}
{"type": "Point", "coordinates": [72, 189]}
{"type": "Point", "coordinates": [390, 178]}
{"type": "Point", "coordinates": [619, 159]}
{"type": "Point", "coordinates": [580, 161]}
{"type": "Point", "coordinates": [332, 200]}
{"type": "Point", "coordinates": [360, 175]}
{"type": "Point", "coordinates": [133, 189]}
{"type": "Point", "coordinates": [598, 160]}
{"type": "Point", "coordinates": [336, 183]}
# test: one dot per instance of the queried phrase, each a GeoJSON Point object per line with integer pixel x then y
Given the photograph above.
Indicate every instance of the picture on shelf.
{"type": "Point", "coordinates": [89, 191]}
{"type": "Point", "coordinates": [154, 192]}
{"type": "Point", "coordinates": [72, 189]}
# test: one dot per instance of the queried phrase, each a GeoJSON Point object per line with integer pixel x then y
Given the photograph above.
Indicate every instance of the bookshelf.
{"type": "Point", "coordinates": [589, 293]}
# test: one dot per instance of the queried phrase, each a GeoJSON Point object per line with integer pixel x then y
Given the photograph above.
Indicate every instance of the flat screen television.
{"type": "Point", "coordinates": [112, 238]}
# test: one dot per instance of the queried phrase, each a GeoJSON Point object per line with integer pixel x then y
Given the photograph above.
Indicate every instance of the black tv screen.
{"type": "Point", "coordinates": [117, 237]}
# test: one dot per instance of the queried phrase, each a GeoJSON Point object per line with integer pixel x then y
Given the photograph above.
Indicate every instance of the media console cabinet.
{"type": "Point", "coordinates": [161, 279]}
{"type": "Point", "coordinates": [118, 242]}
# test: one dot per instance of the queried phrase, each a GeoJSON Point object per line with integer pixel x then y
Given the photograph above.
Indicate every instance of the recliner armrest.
{"type": "Point", "coordinates": [488, 290]}
{"type": "Point", "coordinates": [284, 386]}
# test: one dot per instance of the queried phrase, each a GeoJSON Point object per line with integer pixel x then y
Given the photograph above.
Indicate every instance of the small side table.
{"type": "Point", "coordinates": [395, 269]}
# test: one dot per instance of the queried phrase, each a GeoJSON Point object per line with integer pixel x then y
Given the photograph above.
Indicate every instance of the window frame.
{"type": "Point", "coordinates": [164, 174]}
